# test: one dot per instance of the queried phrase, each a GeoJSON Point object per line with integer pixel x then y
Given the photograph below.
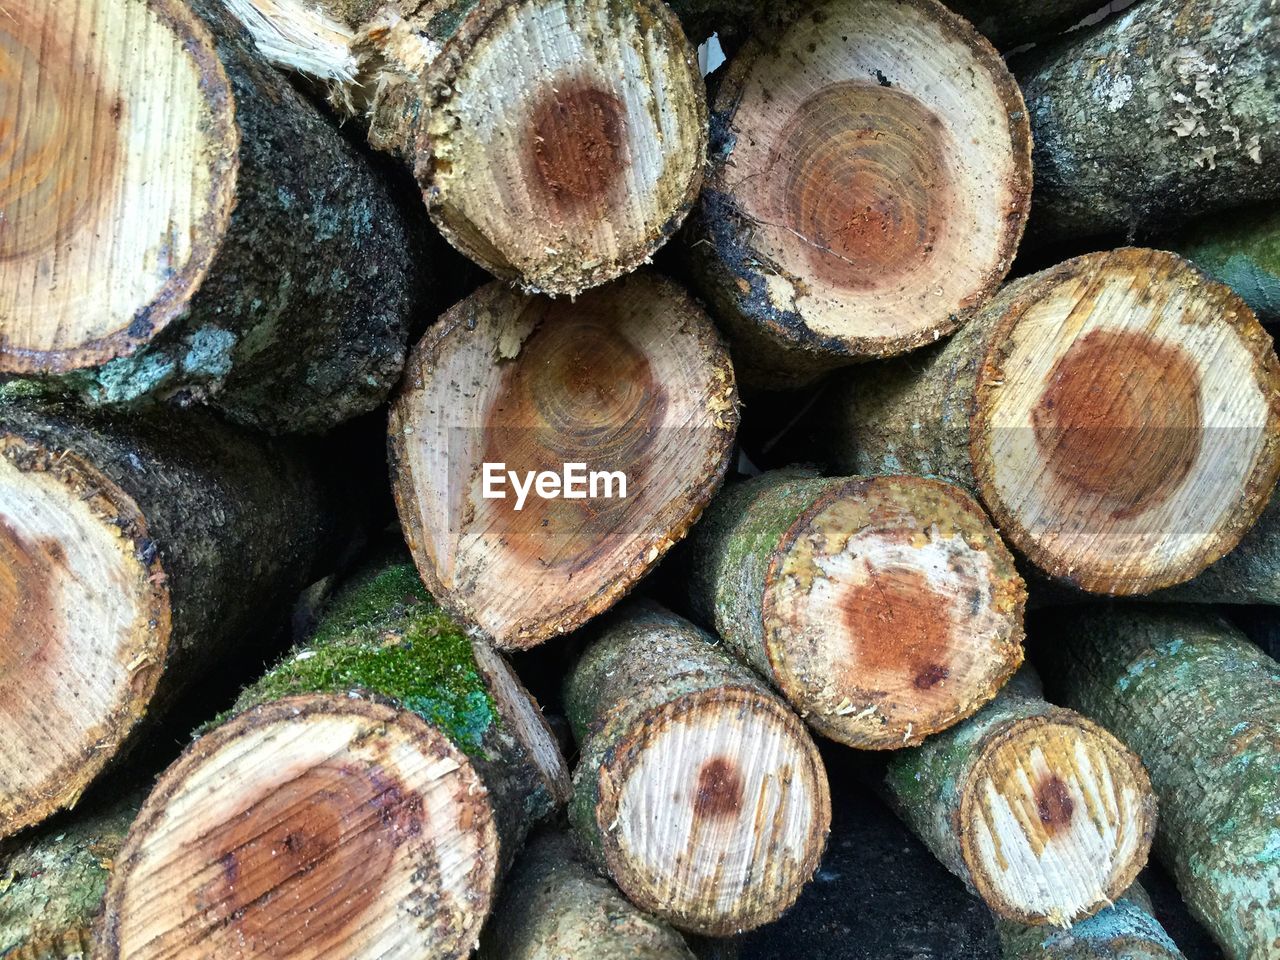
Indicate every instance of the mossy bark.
{"type": "Point", "coordinates": [52, 881]}
{"type": "Point", "coordinates": [1126, 931]}
{"type": "Point", "coordinates": [382, 634]}
{"type": "Point", "coordinates": [1201, 705]}
{"type": "Point", "coordinates": [303, 317]}
{"type": "Point", "coordinates": [1164, 112]}
{"type": "Point", "coordinates": [555, 907]}
{"type": "Point", "coordinates": [1241, 249]}
{"type": "Point", "coordinates": [229, 526]}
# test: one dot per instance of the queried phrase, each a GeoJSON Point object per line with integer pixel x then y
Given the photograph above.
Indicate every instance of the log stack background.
{"type": "Point", "coordinates": [939, 617]}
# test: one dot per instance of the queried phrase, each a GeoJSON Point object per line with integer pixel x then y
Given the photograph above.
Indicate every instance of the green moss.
{"type": "Point", "coordinates": [385, 634]}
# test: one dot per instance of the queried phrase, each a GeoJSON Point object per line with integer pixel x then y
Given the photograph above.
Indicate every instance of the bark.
{"type": "Point", "coordinates": [668, 720]}
{"type": "Point", "coordinates": [1116, 414]}
{"type": "Point", "coordinates": [631, 379]}
{"type": "Point", "coordinates": [1201, 705]}
{"type": "Point", "coordinates": [1009, 23]}
{"type": "Point", "coordinates": [385, 773]}
{"type": "Point", "coordinates": [558, 143]}
{"type": "Point", "coordinates": [1043, 814]}
{"type": "Point", "coordinates": [135, 554]}
{"type": "Point", "coordinates": [1162, 113]}
{"type": "Point", "coordinates": [233, 248]}
{"type": "Point", "coordinates": [1242, 250]}
{"type": "Point", "coordinates": [1126, 931]}
{"type": "Point", "coordinates": [852, 212]}
{"type": "Point", "coordinates": [52, 881]}
{"type": "Point", "coordinates": [877, 633]}
{"type": "Point", "coordinates": [555, 907]}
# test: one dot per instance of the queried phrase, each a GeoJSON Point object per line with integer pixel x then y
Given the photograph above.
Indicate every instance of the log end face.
{"type": "Point", "coordinates": [630, 383]}
{"type": "Point", "coordinates": [598, 150]}
{"type": "Point", "coordinates": [101, 244]}
{"type": "Point", "coordinates": [304, 826]}
{"type": "Point", "coordinates": [1126, 421]}
{"type": "Point", "coordinates": [1056, 819]}
{"type": "Point", "coordinates": [892, 611]}
{"type": "Point", "coordinates": [81, 595]}
{"type": "Point", "coordinates": [747, 811]}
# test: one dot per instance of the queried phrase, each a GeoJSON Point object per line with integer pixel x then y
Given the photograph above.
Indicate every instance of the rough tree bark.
{"type": "Point", "coordinates": [182, 223]}
{"type": "Point", "coordinates": [52, 881]}
{"type": "Point", "coordinates": [1126, 931]}
{"type": "Point", "coordinates": [367, 794]}
{"type": "Point", "coordinates": [883, 609]}
{"type": "Point", "coordinates": [1117, 414]}
{"type": "Point", "coordinates": [1165, 112]}
{"type": "Point", "coordinates": [698, 792]}
{"type": "Point", "coordinates": [555, 907]}
{"type": "Point", "coordinates": [1201, 705]}
{"type": "Point", "coordinates": [631, 378]}
{"type": "Point", "coordinates": [1043, 814]}
{"type": "Point", "coordinates": [871, 178]}
{"type": "Point", "coordinates": [1242, 250]}
{"type": "Point", "coordinates": [133, 553]}
{"type": "Point", "coordinates": [558, 143]}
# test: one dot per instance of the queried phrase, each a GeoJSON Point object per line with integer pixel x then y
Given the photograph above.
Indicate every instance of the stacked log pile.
{"type": "Point", "coordinates": [251, 707]}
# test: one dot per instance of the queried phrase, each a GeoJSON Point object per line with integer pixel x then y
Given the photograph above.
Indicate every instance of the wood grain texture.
{"type": "Point", "coordinates": [698, 792]}
{"type": "Point", "coordinates": [883, 609]}
{"type": "Point", "coordinates": [1161, 113]}
{"type": "Point", "coordinates": [871, 178]}
{"type": "Point", "coordinates": [184, 223]}
{"type": "Point", "coordinates": [117, 540]}
{"type": "Point", "coordinates": [1201, 705]}
{"type": "Point", "coordinates": [1044, 814]}
{"type": "Point", "coordinates": [1117, 415]}
{"type": "Point", "coordinates": [632, 377]}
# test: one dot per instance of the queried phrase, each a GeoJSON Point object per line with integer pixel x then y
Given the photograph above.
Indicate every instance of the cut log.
{"type": "Point", "coordinates": [871, 178]}
{"type": "Point", "coordinates": [630, 380]}
{"type": "Point", "coordinates": [698, 792]}
{"type": "Point", "coordinates": [1201, 705]}
{"type": "Point", "coordinates": [182, 223]}
{"type": "Point", "coordinates": [1242, 250]}
{"type": "Point", "coordinates": [1117, 414]}
{"type": "Point", "coordinates": [363, 800]}
{"type": "Point", "coordinates": [558, 143]}
{"type": "Point", "coordinates": [883, 609]}
{"type": "Point", "coordinates": [1043, 814]}
{"type": "Point", "coordinates": [555, 907]}
{"type": "Point", "coordinates": [1162, 113]}
{"type": "Point", "coordinates": [1011, 23]}
{"type": "Point", "coordinates": [1126, 931]}
{"type": "Point", "coordinates": [132, 556]}
{"type": "Point", "coordinates": [52, 881]}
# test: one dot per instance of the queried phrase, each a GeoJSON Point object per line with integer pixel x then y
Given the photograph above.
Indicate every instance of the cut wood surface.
{"type": "Point", "coordinates": [1240, 248]}
{"type": "Point", "coordinates": [698, 792]}
{"type": "Point", "coordinates": [1118, 415]}
{"type": "Point", "coordinates": [884, 609]}
{"type": "Point", "coordinates": [554, 906]}
{"type": "Point", "coordinates": [1127, 930]}
{"type": "Point", "coordinates": [559, 143]}
{"type": "Point", "coordinates": [632, 378]}
{"type": "Point", "coordinates": [132, 556]}
{"type": "Point", "coordinates": [1201, 705]}
{"type": "Point", "coordinates": [871, 178]}
{"type": "Point", "coordinates": [52, 880]}
{"type": "Point", "coordinates": [1044, 814]}
{"type": "Point", "coordinates": [179, 221]}
{"type": "Point", "coordinates": [362, 801]}
{"type": "Point", "coordinates": [1164, 112]}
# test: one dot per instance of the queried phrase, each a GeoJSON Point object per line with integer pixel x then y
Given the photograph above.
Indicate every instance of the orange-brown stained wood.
{"type": "Point", "coordinates": [719, 791]}
{"type": "Point", "coordinates": [30, 617]}
{"type": "Point", "coordinates": [629, 381]}
{"type": "Point", "coordinates": [578, 147]}
{"type": "Point", "coordinates": [1053, 803]}
{"type": "Point", "coordinates": [863, 177]}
